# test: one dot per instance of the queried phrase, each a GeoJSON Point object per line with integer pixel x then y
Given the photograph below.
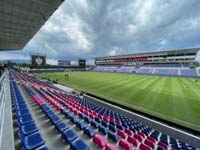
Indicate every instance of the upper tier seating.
{"type": "Point", "coordinates": [95, 121]}
{"type": "Point", "coordinates": [105, 69]}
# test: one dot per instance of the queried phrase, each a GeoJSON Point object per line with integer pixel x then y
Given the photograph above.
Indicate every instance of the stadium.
{"type": "Point", "coordinates": [142, 101]}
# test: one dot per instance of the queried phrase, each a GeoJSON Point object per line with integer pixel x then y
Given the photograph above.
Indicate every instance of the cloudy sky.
{"type": "Point", "coordinates": [91, 28]}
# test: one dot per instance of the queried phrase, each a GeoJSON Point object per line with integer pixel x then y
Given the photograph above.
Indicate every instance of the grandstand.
{"type": "Point", "coordinates": [37, 114]}
{"type": "Point", "coordinates": [173, 63]}
{"type": "Point", "coordinates": [43, 110]}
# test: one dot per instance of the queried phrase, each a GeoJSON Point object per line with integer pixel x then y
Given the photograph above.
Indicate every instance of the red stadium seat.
{"type": "Point", "coordinates": [132, 140]}
{"type": "Point", "coordinates": [163, 145]}
{"type": "Point", "coordinates": [145, 147]}
{"type": "Point", "coordinates": [100, 140]}
{"type": "Point", "coordinates": [138, 137]}
{"type": "Point", "coordinates": [125, 144]}
{"type": "Point", "coordinates": [129, 132]}
{"type": "Point", "coordinates": [110, 147]}
{"type": "Point", "coordinates": [141, 134]}
{"type": "Point", "coordinates": [121, 134]}
{"type": "Point", "coordinates": [151, 139]}
{"type": "Point", "coordinates": [149, 143]}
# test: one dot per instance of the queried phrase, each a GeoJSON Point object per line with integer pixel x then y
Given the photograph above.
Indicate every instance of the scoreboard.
{"type": "Point", "coordinates": [38, 60]}
{"type": "Point", "coordinates": [64, 63]}
{"type": "Point", "coordinates": [82, 63]}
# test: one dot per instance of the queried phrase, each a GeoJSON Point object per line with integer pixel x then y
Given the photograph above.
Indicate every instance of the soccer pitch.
{"type": "Point", "coordinates": [174, 99]}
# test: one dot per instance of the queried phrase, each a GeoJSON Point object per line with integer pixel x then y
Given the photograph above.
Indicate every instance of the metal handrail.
{"type": "Point", "coordinates": [2, 102]}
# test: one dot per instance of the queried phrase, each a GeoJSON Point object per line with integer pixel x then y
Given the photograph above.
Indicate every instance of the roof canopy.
{"type": "Point", "coordinates": [21, 19]}
{"type": "Point", "coordinates": [155, 53]}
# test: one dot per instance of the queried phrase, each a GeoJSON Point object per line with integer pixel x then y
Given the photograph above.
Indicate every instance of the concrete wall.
{"type": "Point", "coordinates": [7, 142]}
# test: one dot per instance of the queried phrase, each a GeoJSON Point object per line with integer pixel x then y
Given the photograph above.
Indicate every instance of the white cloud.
{"type": "Point", "coordinates": [51, 27]}
{"type": "Point", "coordinates": [145, 13]}
{"type": "Point", "coordinates": [163, 42]}
{"type": "Point", "coordinates": [50, 49]}
{"type": "Point", "coordinates": [91, 28]}
{"type": "Point", "coordinates": [73, 31]}
{"type": "Point", "coordinates": [113, 52]}
{"type": "Point", "coordinates": [9, 55]}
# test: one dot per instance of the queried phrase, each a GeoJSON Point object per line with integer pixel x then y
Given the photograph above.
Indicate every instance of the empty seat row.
{"type": "Point", "coordinates": [63, 128]}
{"type": "Point", "coordinates": [28, 131]}
{"type": "Point", "coordinates": [116, 126]}
{"type": "Point", "coordinates": [103, 128]}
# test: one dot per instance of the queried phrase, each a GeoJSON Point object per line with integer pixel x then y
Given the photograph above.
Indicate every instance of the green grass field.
{"type": "Point", "coordinates": [174, 99]}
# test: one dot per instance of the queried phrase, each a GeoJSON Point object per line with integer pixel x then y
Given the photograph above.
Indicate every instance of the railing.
{"type": "Point", "coordinates": [2, 102]}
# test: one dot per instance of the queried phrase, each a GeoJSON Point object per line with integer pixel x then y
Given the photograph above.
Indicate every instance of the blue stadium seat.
{"type": "Point", "coordinates": [61, 126]}
{"type": "Point", "coordinates": [24, 120]}
{"type": "Point", "coordinates": [55, 119]}
{"type": "Point", "coordinates": [28, 128]}
{"type": "Point", "coordinates": [21, 107]}
{"type": "Point", "coordinates": [33, 141]}
{"type": "Point", "coordinates": [90, 132]}
{"type": "Point", "coordinates": [105, 124]}
{"type": "Point", "coordinates": [50, 114]}
{"type": "Point", "coordinates": [69, 136]}
{"type": "Point", "coordinates": [94, 124]}
{"type": "Point", "coordinates": [64, 111]}
{"type": "Point", "coordinates": [74, 119]}
{"type": "Point", "coordinates": [69, 115]}
{"type": "Point", "coordinates": [98, 120]}
{"type": "Point", "coordinates": [112, 128]}
{"type": "Point", "coordinates": [87, 119]}
{"type": "Point", "coordinates": [113, 136]}
{"type": "Point", "coordinates": [81, 115]}
{"type": "Point", "coordinates": [81, 125]}
{"type": "Point", "coordinates": [23, 112]}
{"type": "Point", "coordinates": [17, 102]}
{"type": "Point", "coordinates": [45, 108]}
{"type": "Point", "coordinates": [120, 127]}
{"type": "Point", "coordinates": [103, 129]}
{"type": "Point", "coordinates": [112, 123]}
{"type": "Point", "coordinates": [79, 145]}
